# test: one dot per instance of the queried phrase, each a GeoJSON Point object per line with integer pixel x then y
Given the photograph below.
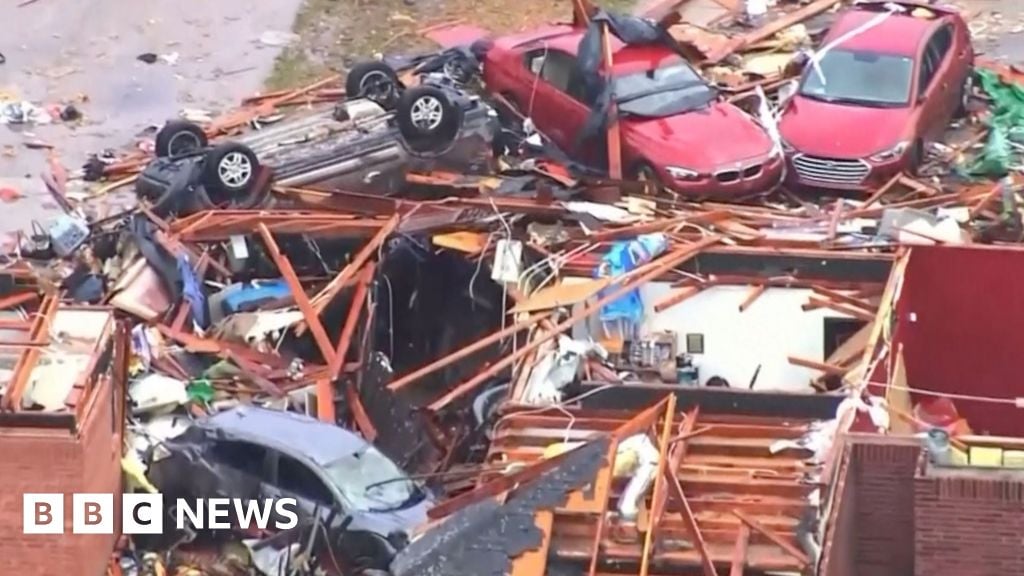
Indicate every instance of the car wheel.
{"type": "Point", "coordinates": [229, 172]}
{"type": "Point", "coordinates": [966, 91]}
{"type": "Point", "coordinates": [916, 157]}
{"type": "Point", "coordinates": [374, 81]}
{"type": "Point", "coordinates": [427, 118]}
{"type": "Point", "coordinates": [179, 137]}
{"type": "Point", "coordinates": [512, 115]}
{"type": "Point", "coordinates": [646, 173]}
{"type": "Point", "coordinates": [367, 553]}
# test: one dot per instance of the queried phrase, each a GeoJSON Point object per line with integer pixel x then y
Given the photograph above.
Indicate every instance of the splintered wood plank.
{"type": "Point", "coordinates": [686, 512]}
{"type": "Point", "coordinates": [781, 542]}
{"type": "Point", "coordinates": [739, 554]}
{"type": "Point", "coordinates": [658, 495]}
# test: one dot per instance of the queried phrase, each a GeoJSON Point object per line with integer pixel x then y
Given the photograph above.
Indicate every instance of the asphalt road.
{"type": "Point", "coordinates": [60, 50]}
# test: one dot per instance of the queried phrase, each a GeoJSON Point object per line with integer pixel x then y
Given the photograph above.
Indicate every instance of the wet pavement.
{"type": "Point", "coordinates": [62, 50]}
{"type": "Point", "coordinates": [999, 28]}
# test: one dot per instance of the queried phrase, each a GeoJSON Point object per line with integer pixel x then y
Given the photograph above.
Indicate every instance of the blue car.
{"type": "Point", "coordinates": [368, 505]}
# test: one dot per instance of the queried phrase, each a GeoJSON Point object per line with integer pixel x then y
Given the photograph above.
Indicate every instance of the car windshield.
{"type": "Point", "coordinates": [664, 91]}
{"type": "Point", "coordinates": [862, 78]}
{"type": "Point", "coordinates": [371, 481]}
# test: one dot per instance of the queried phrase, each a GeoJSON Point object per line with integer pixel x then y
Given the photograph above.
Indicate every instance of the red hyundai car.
{"type": "Point", "coordinates": [882, 86]}
{"type": "Point", "coordinates": [674, 127]}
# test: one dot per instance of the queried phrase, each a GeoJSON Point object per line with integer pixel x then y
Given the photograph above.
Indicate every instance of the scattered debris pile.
{"type": "Point", "coordinates": [466, 347]}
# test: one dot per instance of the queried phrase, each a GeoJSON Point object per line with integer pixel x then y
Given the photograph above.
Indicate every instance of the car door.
{"type": "Point", "coordinates": [928, 97]}
{"type": "Point", "coordinates": [935, 96]}
{"type": "Point", "coordinates": [230, 469]}
{"type": "Point", "coordinates": [291, 478]}
{"type": "Point", "coordinates": [946, 72]}
{"type": "Point", "coordinates": [555, 99]}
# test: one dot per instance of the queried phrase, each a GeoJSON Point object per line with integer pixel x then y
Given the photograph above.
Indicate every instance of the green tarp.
{"type": "Point", "coordinates": [1006, 125]}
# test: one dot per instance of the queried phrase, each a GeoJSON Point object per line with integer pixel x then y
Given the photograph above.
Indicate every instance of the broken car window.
{"type": "Point", "coordinates": [240, 456]}
{"type": "Point", "coordinates": [557, 69]}
{"type": "Point", "coordinates": [664, 91]}
{"type": "Point", "coordinates": [371, 481]}
{"type": "Point", "coordinates": [297, 478]}
{"type": "Point", "coordinates": [863, 78]}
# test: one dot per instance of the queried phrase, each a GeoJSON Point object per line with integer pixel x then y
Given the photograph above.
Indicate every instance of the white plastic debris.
{"type": "Point", "coordinates": [196, 115]}
{"type": "Point", "coordinates": [605, 212]}
{"type": "Point", "coordinates": [558, 368]}
{"type": "Point", "coordinates": [23, 112]}
{"type": "Point", "coordinates": [756, 8]}
{"type": "Point", "coordinates": [278, 38]}
{"type": "Point", "coordinates": [642, 454]}
{"type": "Point", "coordinates": [769, 120]}
{"type": "Point", "coordinates": [879, 413]}
{"type": "Point", "coordinates": [508, 261]}
{"type": "Point", "coordinates": [170, 59]}
{"type": "Point", "coordinates": [155, 392]}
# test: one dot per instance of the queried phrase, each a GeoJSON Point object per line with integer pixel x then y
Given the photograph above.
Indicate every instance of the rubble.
{"type": "Point", "coordinates": [416, 307]}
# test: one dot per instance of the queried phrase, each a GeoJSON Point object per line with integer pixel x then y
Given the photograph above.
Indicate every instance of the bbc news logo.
{"type": "Point", "coordinates": [144, 513]}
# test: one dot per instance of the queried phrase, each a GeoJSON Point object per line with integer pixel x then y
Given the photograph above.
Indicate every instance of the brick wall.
{"type": "Point", "coordinates": [884, 470]}
{"type": "Point", "coordinates": [42, 460]}
{"type": "Point", "coordinates": [895, 519]}
{"type": "Point", "coordinates": [969, 526]}
{"type": "Point", "coordinates": [839, 550]}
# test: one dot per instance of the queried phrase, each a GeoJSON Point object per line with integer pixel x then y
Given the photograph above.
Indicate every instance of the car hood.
{"type": "Point", "coordinates": [703, 140]}
{"type": "Point", "coordinates": [402, 520]}
{"type": "Point", "coordinates": [840, 130]}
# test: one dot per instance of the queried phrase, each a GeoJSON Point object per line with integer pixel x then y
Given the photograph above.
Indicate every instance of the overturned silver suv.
{"type": "Point", "coordinates": [362, 144]}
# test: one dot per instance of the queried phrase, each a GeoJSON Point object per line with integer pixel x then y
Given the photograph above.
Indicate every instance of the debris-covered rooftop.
{"type": "Point", "coordinates": [641, 292]}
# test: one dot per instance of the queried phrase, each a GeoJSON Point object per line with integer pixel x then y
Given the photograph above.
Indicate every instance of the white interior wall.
{"type": "Point", "coordinates": [773, 328]}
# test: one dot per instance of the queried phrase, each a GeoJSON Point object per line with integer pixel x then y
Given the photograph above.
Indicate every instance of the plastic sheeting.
{"type": "Point", "coordinates": [1006, 125]}
{"type": "Point", "coordinates": [630, 30]}
{"type": "Point", "coordinates": [622, 258]}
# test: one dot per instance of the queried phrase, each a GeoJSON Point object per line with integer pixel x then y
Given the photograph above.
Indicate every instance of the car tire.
{"type": "Point", "coordinates": [366, 553]}
{"type": "Point", "coordinates": [428, 119]}
{"type": "Point", "coordinates": [644, 172]}
{"type": "Point", "coordinates": [509, 117]}
{"type": "Point", "coordinates": [916, 158]}
{"type": "Point", "coordinates": [179, 137]}
{"type": "Point", "coordinates": [229, 172]}
{"type": "Point", "coordinates": [374, 81]}
{"type": "Point", "coordinates": [963, 107]}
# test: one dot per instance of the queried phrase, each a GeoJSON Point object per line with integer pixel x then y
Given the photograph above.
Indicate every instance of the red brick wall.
{"type": "Point", "coordinates": [969, 526]}
{"type": "Point", "coordinates": [839, 552]}
{"type": "Point", "coordinates": [40, 460]}
{"type": "Point", "coordinates": [883, 472]}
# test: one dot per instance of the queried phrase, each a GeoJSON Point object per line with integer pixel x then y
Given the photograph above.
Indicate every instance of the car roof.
{"type": "Point", "coordinates": [625, 58]}
{"type": "Point", "coordinates": [288, 432]}
{"type": "Point", "coordinates": [898, 34]}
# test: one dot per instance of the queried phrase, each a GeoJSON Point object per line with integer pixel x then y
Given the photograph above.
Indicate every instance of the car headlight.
{"type": "Point", "coordinates": [679, 173]}
{"type": "Point", "coordinates": [891, 153]}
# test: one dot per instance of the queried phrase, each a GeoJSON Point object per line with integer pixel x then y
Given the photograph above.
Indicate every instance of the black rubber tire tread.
{"type": "Point", "coordinates": [438, 138]}
{"type": "Point", "coordinates": [174, 128]}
